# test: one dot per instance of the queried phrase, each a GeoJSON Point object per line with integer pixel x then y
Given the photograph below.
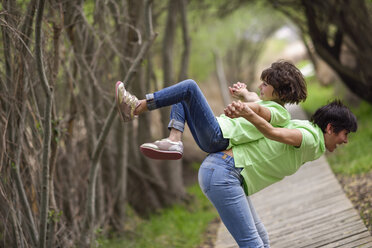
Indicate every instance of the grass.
{"type": "Point", "coordinates": [181, 226]}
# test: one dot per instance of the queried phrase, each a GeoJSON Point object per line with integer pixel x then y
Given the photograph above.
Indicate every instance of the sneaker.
{"type": "Point", "coordinates": [164, 149]}
{"type": "Point", "coordinates": [125, 101]}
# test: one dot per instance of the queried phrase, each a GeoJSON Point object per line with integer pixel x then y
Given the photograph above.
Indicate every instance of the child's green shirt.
{"type": "Point", "coordinates": [240, 130]}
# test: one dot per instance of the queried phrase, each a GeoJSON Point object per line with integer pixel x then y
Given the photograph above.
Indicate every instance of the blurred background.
{"type": "Point", "coordinates": [71, 174]}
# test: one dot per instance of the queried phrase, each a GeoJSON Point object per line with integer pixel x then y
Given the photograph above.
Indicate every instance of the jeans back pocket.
{"type": "Point", "coordinates": [204, 177]}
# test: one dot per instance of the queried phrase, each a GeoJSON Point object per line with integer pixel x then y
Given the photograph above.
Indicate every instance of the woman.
{"type": "Point", "coordinates": [227, 177]}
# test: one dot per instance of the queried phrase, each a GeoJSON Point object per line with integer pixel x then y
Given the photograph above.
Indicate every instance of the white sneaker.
{"type": "Point", "coordinates": [126, 102]}
{"type": "Point", "coordinates": [164, 149]}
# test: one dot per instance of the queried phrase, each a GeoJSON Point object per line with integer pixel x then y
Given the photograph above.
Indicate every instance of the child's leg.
{"type": "Point", "coordinates": [190, 105]}
{"type": "Point", "coordinates": [203, 125]}
{"type": "Point", "coordinates": [221, 183]}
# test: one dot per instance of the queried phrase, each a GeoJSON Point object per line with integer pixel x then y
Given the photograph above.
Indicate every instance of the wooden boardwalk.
{"type": "Point", "coordinates": [307, 209]}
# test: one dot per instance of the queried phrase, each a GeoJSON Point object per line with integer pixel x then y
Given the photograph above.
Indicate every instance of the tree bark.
{"type": "Point", "coordinates": [167, 54]}
{"type": "Point", "coordinates": [186, 41]}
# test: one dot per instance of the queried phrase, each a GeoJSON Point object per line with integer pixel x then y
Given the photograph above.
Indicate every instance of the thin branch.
{"type": "Point", "coordinates": [47, 126]}
{"type": "Point", "coordinates": [19, 182]}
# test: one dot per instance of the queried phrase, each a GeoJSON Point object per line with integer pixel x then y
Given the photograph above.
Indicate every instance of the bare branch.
{"type": "Point", "coordinates": [18, 179]}
{"type": "Point", "coordinates": [47, 126]}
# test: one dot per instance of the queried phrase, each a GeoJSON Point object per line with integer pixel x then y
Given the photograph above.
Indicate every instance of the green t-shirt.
{"type": "Point", "coordinates": [265, 161]}
{"type": "Point", "coordinates": [240, 130]}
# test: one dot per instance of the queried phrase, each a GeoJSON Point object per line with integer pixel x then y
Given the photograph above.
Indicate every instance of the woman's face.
{"type": "Point", "coordinates": [332, 139]}
{"type": "Point", "coordinates": [267, 92]}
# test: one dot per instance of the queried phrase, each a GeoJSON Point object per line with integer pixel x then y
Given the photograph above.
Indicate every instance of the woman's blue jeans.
{"type": "Point", "coordinates": [190, 105]}
{"type": "Point", "coordinates": [221, 182]}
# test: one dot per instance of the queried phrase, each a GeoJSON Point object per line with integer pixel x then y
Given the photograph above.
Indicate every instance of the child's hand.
{"type": "Point", "coordinates": [238, 91]}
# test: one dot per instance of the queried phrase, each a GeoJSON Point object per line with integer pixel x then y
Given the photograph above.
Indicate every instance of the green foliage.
{"type": "Point", "coordinates": [179, 226]}
{"type": "Point", "coordinates": [211, 34]}
{"type": "Point", "coordinates": [88, 10]}
{"type": "Point", "coordinates": [54, 216]}
{"type": "Point", "coordinates": [318, 95]}
{"type": "Point", "coordinates": [13, 165]}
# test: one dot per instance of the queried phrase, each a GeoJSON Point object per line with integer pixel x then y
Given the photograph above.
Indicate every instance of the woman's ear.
{"type": "Point", "coordinates": [329, 128]}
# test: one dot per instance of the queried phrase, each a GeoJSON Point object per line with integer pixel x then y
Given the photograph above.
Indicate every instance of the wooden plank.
{"type": "Point", "coordinates": [362, 242]}
{"type": "Point", "coordinates": [367, 244]}
{"type": "Point", "coordinates": [343, 240]}
{"type": "Point", "coordinates": [320, 239]}
{"type": "Point", "coordinates": [314, 226]}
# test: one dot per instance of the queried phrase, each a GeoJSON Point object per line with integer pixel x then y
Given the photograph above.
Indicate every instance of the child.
{"type": "Point", "coordinates": [282, 83]}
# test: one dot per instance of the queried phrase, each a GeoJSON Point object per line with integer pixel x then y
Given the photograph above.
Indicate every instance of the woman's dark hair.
{"type": "Point", "coordinates": [338, 115]}
{"type": "Point", "coordinates": [287, 81]}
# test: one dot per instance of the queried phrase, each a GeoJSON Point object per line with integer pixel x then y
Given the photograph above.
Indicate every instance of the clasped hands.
{"type": "Point", "coordinates": [239, 91]}
{"type": "Point", "coordinates": [238, 109]}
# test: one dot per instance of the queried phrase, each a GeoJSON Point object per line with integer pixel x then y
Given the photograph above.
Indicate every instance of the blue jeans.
{"type": "Point", "coordinates": [221, 182]}
{"type": "Point", "coordinates": [190, 105]}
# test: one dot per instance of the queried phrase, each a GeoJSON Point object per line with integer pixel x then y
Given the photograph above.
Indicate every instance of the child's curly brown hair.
{"type": "Point", "coordinates": [287, 81]}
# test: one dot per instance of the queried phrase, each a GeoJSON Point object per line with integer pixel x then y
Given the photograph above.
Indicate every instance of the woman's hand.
{"type": "Point", "coordinates": [238, 109]}
{"type": "Point", "coordinates": [287, 136]}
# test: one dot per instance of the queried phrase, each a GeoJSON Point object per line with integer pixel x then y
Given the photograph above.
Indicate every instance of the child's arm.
{"type": "Point", "coordinates": [239, 91]}
{"type": "Point", "coordinates": [283, 135]}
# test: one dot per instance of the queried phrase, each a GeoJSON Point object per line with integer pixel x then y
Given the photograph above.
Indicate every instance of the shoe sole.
{"type": "Point", "coordinates": [117, 99]}
{"type": "Point", "coordinates": [161, 155]}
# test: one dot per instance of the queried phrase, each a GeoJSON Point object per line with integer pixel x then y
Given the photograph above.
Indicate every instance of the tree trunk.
{"type": "Point", "coordinates": [47, 127]}
{"type": "Point", "coordinates": [222, 80]}
{"type": "Point", "coordinates": [171, 170]}
{"type": "Point", "coordinates": [335, 28]}
{"type": "Point", "coordinates": [186, 41]}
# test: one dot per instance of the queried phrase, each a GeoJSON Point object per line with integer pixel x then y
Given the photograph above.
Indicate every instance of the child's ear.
{"type": "Point", "coordinates": [329, 128]}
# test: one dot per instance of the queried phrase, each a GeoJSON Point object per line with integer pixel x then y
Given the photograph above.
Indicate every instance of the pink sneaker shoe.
{"type": "Point", "coordinates": [164, 149]}
{"type": "Point", "coordinates": [125, 101]}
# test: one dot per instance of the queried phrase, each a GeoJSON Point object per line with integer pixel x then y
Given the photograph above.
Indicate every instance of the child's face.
{"type": "Point", "coordinates": [267, 92]}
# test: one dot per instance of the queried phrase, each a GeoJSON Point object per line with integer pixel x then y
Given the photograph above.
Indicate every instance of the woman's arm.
{"type": "Point", "coordinates": [284, 135]}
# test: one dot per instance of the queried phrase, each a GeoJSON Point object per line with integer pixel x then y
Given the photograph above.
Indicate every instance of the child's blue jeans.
{"type": "Point", "coordinates": [190, 105]}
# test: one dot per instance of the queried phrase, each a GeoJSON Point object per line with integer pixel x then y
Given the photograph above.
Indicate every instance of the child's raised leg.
{"type": "Point", "coordinates": [188, 105]}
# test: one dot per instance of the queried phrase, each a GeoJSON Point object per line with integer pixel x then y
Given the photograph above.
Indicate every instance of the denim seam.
{"type": "Point", "coordinates": [176, 125]}
{"type": "Point", "coordinates": [150, 101]}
